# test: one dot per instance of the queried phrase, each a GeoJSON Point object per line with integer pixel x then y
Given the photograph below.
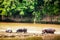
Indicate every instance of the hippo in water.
{"type": "Point", "coordinates": [22, 30]}
{"type": "Point", "coordinates": [49, 30]}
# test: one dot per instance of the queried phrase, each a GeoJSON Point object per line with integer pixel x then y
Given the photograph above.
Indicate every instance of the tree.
{"type": "Point", "coordinates": [51, 8]}
{"type": "Point", "coordinates": [2, 10]}
{"type": "Point", "coordinates": [35, 8]}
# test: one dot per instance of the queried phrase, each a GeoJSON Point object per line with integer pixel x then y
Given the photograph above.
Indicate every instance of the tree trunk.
{"type": "Point", "coordinates": [21, 18]}
{"type": "Point", "coordinates": [35, 20]}
{"type": "Point", "coordinates": [51, 18]}
{"type": "Point", "coordinates": [2, 17]}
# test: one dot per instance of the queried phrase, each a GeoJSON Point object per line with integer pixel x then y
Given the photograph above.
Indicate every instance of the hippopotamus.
{"type": "Point", "coordinates": [9, 31]}
{"type": "Point", "coordinates": [22, 30]}
{"type": "Point", "coordinates": [49, 30]}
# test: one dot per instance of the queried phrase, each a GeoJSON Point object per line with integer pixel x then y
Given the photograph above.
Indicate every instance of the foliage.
{"type": "Point", "coordinates": [35, 8]}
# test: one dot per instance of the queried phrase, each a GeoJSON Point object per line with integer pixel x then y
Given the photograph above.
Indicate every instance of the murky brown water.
{"type": "Point", "coordinates": [31, 27]}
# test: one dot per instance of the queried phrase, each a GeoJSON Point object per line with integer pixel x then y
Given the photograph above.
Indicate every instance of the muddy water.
{"type": "Point", "coordinates": [31, 28]}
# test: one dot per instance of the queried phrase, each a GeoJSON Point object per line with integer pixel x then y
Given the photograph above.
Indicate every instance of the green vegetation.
{"type": "Point", "coordinates": [29, 38]}
{"type": "Point", "coordinates": [37, 9]}
{"type": "Point", "coordinates": [34, 38]}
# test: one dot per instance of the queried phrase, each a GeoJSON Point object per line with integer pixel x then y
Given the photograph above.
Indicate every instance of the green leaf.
{"type": "Point", "coordinates": [31, 7]}
{"type": "Point", "coordinates": [22, 13]}
{"type": "Point", "coordinates": [4, 12]}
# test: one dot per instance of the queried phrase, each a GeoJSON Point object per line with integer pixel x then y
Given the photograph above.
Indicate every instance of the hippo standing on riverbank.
{"type": "Point", "coordinates": [21, 30]}
{"type": "Point", "coordinates": [49, 30]}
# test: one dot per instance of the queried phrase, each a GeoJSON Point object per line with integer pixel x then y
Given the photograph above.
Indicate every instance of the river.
{"type": "Point", "coordinates": [31, 28]}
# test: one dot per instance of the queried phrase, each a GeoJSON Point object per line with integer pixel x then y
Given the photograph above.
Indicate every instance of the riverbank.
{"type": "Point", "coordinates": [28, 36]}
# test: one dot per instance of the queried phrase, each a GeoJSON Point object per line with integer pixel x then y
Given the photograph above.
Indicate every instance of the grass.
{"type": "Point", "coordinates": [34, 38]}
{"type": "Point", "coordinates": [57, 37]}
{"type": "Point", "coordinates": [46, 37]}
{"type": "Point", "coordinates": [52, 37]}
{"type": "Point", "coordinates": [29, 38]}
